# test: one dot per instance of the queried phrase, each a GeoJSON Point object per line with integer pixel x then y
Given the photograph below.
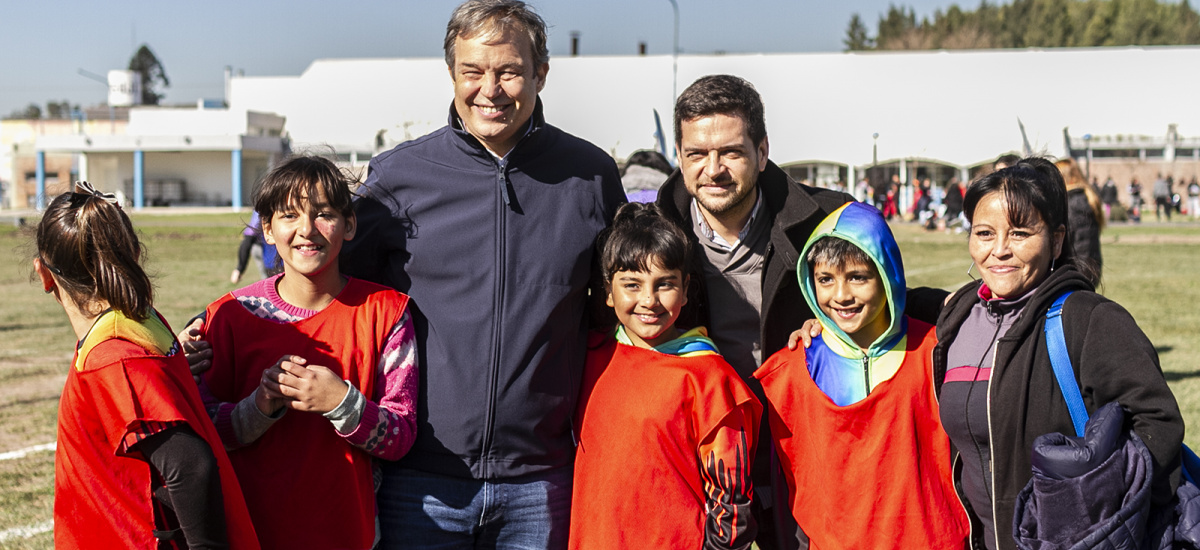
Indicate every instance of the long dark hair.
{"type": "Point", "coordinates": [89, 244]}
{"type": "Point", "coordinates": [1034, 190]}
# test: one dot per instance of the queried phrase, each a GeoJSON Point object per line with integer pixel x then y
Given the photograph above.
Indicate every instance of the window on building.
{"type": "Point", "coordinates": [1115, 153]}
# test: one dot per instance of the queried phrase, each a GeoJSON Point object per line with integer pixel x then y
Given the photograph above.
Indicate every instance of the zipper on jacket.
{"type": "Point", "coordinates": [502, 180]}
{"type": "Point", "coordinates": [498, 307]}
{"type": "Point", "coordinates": [953, 467]}
{"type": "Point", "coordinates": [991, 437]}
{"type": "Point", "coordinates": [867, 372]}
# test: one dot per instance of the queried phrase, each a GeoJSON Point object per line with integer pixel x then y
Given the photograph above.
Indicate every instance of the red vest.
{"type": "Point", "coordinates": [642, 416]}
{"type": "Point", "coordinates": [874, 474]}
{"type": "Point", "coordinates": [306, 487]}
{"type": "Point", "coordinates": [101, 494]}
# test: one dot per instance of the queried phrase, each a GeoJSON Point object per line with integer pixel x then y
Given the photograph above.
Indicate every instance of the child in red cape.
{"type": "Point", "coordinates": [666, 427]}
{"type": "Point", "coordinates": [138, 463]}
{"type": "Point", "coordinates": [313, 374]}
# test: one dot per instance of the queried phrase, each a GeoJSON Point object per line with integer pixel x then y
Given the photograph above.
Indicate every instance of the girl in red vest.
{"type": "Point", "coordinates": [313, 373]}
{"type": "Point", "coordinates": [666, 427]}
{"type": "Point", "coordinates": [138, 464]}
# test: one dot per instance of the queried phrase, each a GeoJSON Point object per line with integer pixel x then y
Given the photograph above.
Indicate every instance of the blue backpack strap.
{"type": "Point", "coordinates": [1056, 343]}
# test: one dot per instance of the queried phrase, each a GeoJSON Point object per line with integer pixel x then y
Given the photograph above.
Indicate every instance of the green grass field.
{"type": "Point", "coordinates": [1152, 270]}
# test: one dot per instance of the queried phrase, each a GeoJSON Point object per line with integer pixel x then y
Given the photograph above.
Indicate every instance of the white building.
{"type": "Point", "coordinates": [177, 155]}
{"type": "Point", "coordinates": [936, 113]}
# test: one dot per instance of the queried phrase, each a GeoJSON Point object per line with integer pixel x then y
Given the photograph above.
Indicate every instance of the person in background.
{"type": "Point", "coordinates": [251, 238]}
{"type": "Point", "coordinates": [1193, 193]}
{"type": "Point", "coordinates": [1135, 200]}
{"type": "Point", "coordinates": [1108, 196]}
{"type": "Point", "coordinates": [1085, 216]}
{"type": "Point", "coordinates": [138, 463]}
{"type": "Point", "coordinates": [661, 407]}
{"type": "Point", "coordinates": [954, 202]}
{"type": "Point", "coordinates": [644, 172]}
{"type": "Point", "coordinates": [1004, 161]}
{"type": "Point", "coordinates": [1162, 197]}
{"type": "Point", "coordinates": [995, 385]}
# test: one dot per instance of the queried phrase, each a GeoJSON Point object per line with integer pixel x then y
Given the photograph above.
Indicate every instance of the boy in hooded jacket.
{"type": "Point", "coordinates": [854, 416]}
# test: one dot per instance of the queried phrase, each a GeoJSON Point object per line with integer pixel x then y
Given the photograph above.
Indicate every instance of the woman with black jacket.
{"type": "Point", "coordinates": [996, 387]}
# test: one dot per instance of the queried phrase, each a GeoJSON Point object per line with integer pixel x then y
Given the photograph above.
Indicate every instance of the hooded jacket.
{"type": "Point", "coordinates": [858, 432]}
{"type": "Point", "coordinates": [1113, 361]}
{"type": "Point", "coordinates": [496, 256]}
{"type": "Point", "coordinates": [840, 372]}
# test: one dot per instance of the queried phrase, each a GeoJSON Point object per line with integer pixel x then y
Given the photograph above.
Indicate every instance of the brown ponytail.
{"type": "Point", "coordinates": [89, 244]}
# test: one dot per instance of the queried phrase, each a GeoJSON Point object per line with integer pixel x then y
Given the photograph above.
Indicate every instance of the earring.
{"type": "Point", "coordinates": [1052, 264]}
{"type": "Point", "coordinates": [969, 268]}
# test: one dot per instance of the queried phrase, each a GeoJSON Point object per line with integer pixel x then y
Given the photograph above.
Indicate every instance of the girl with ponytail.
{"type": "Point", "coordinates": [138, 464]}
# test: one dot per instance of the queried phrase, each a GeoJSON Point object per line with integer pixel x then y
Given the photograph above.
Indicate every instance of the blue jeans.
{"type": "Point", "coordinates": [429, 511]}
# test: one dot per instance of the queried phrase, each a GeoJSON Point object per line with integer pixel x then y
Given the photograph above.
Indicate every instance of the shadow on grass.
{"type": "Point", "coordinates": [20, 326]}
{"type": "Point", "coordinates": [1172, 376]}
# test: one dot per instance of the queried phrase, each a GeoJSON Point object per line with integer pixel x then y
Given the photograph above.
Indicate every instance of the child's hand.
{"type": "Point", "coordinates": [269, 398]}
{"type": "Point", "coordinates": [312, 388]}
{"type": "Point", "coordinates": [810, 330]}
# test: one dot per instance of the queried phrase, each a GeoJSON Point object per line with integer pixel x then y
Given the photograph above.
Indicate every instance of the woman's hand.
{"type": "Point", "coordinates": [810, 330]}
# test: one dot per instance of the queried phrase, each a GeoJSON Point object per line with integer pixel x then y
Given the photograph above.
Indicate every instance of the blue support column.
{"type": "Point", "coordinates": [139, 180]}
{"type": "Point", "coordinates": [235, 168]}
{"type": "Point", "coordinates": [41, 180]}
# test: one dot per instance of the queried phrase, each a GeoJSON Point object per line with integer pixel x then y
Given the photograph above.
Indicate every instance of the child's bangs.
{"type": "Point", "coordinates": [644, 252]}
{"type": "Point", "coordinates": [299, 182]}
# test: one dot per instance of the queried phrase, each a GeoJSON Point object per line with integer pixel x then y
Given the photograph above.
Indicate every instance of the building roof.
{"type": "Point", "coordinates": [958, 107]}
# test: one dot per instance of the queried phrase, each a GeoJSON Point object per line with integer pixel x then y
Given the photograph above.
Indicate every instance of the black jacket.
{"type": "Point", "coordinates": [1113, 361]}
{"type": "Point", "coordinates": [496, 257]}
{"type": "Point", "coordinates": [1084, 227]}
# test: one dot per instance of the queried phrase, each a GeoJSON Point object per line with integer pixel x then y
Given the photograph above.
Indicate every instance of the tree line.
{"type": "Point", "coordinates": [1031, 24]}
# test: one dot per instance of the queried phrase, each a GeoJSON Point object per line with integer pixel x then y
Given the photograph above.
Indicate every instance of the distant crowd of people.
{"type": "Point", "coordinates": [487, 346]}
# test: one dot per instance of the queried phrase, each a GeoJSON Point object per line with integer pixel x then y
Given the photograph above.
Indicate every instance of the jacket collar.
{"type": "Point", "coordinates": [782, 201]}
{"type": "Point", "coordinates": [1065, 278]}
{"type": "Point", "coordinates": [471, 144]}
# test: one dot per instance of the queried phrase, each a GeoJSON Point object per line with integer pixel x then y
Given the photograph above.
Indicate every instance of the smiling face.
{"type": "Point", "coordinates": [496, 82]}
{"type": "Point", "coordinates": [853, 297]}
{"type": "Point", "coordinates": [1012, 260]}
{"type": "Point", "coordinates": [309, 235]}
{"type": "Point", "coordinates": [720, 164]}
{"type": "Point", "coordinates": [647, 303]}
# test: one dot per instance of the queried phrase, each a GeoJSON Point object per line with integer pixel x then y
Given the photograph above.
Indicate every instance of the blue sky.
{"type": "Point", "coordinates": [44, 44]}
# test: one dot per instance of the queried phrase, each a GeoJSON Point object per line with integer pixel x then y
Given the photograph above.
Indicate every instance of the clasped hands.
{"type": "Point", "coordinates": [291, 382]}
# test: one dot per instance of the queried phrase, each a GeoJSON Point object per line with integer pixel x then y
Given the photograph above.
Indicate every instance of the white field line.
{"type": "Point", "coordinates": [27, 531]}
{"type": "Point", "coordinates": [21, 453]}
